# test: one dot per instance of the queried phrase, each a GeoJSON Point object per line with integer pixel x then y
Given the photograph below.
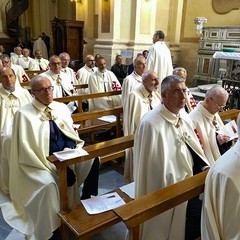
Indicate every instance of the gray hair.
{"type": "Point", "coordinates": [216, 91]}
{"type": "Point", "coordinates": [166, 82]}
{"type": "Point", "coordinates": [137, 59]}
{"type": "Point", "coordinates": [179, 69]}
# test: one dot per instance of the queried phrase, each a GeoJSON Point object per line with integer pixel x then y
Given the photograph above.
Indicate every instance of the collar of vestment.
{"type": "Point", "coordinates": [89, 69]}
{"type": "Point", "coordinates": [205, 112]}
{"type": "Point", "coordinates": [100, 74]}
{"type": "Point", "coordinates": [144, 92]}
{"type": "Point", "coordinates": [5, 93]}
{"type": "Point", "coordinates": [64, 70]}
{"type": "Point", "coordinates": [172, 117]}
{"type": "Point", "coordinates": [41, 107]}
{"type": "Point", "coordinates": [136, 76]}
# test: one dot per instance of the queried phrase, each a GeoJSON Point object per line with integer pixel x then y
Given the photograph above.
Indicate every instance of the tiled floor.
{"type": "Point", "coordinates": [109, 180]}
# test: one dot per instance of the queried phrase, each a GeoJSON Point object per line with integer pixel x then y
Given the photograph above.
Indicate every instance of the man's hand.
{"type": "Point", "coordinates": [222, 139]}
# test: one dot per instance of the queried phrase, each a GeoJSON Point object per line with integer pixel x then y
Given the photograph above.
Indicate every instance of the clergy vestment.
{"type": "Point", "coordinates": [162, 158]}
{"type": "Point", "coordinates": [33, 179]}
{"type": "Point", "coordinates": [203, 121]}
{"type": "Point", "coordinates": [104, 82]}
{"type": "Point", "coordinates": [24, 62]}
{"type": "Point", "coordinates": [39, 44]}
{"type": "Point", "coordinates": [9, 104]}
{"type": "Point", "coordinates": [131, 82]}
{"type": "Point", "coordinates": [15, 58]}
{"type": "Point", "coordinates": [139, 103]}
{"type": "Point", "coordinates": [83, 77]}
{"type": "Point", "coordinates": [61, 82]}
{"type": "Point", "coordinates": [20, 73]}
{"type": "Point", "coordinates": [38, 64]}
{"type": "Point", "coordinates": [221, 208]}
{"type": "Point", "coordinates": [71, 74]}
{"type": "Point", "coordinates": [159, 60]}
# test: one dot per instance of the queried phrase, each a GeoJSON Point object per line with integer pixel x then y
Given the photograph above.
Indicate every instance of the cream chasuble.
{"type": "Point", "coordinates": [161, 158]}
{"type": "Point", "coordinates": [33, 179]}
{"type": "Point", "coordinates": [203, 121]}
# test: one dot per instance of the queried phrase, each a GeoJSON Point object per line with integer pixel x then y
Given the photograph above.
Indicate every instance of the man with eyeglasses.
{"type": "Point", "coordinates": [39, 129]}
{"type": "Point", "coordinates": [60, 80]}
{"type": "Point", "coordinates": [12, 97]}
{"type": "Point", "coordinates": [167, 150]}
{"type": "Point", "coordinates": [207, 122]}
{"type": "Point", "coordinates": [19, 71]}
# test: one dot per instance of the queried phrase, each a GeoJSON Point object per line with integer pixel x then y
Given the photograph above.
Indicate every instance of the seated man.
{"type": "Point", "coordinates": [40, 63]}
{"type": "Point", "coordinates": [25, 60]}
{"type": "Point", "coordinates": [141, 100]}
{"type": "Point", "coordinates": [207, 121]}
{"type": "Point", "coordinates": [39, 129]}
{"type": "Point", "coordinates": [167, 150]}
{"type": "Point", "coordinates": [12, 97]}
{"type": "Point", "coordinates": [190, 101]}
{"type": "Point", "coordinates": [103, 80]}
{"type": "Point", "coordinates": [221, 209]}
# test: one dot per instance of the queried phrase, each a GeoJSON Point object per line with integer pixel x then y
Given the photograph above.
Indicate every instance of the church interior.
{"type": "Point", "coordinates": [195, 32]}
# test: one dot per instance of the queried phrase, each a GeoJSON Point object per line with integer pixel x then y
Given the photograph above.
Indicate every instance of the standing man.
{"type": "Point", "coordinates": [207, 122]}
{"type": "Point", "coordinates": [46, 39]}
{"type": "Point", "coordinates": [133, 80]}
{"type": "Point", "coordinates": [221, 209]}
{"type": "Point", "coordinates": [39, 129]}
{"type": "Point", "coordinates": [119, 69]}
{"type": "Point", "coordinates": [103, 80]}
{"type": "Point", "coordinates": [12, 97]}
{"type": "Point", "coordinates": [141, 100]}
{"type": "Point", "coordinates": [159, 57]}
{"type": "Point", "coordinates": [166, 151]}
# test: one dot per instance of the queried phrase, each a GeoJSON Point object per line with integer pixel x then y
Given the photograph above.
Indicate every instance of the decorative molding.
{"type": "Point", "coordinates": [223, 6]}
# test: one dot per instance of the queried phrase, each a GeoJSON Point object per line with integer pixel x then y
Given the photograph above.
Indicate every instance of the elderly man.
{"type": "Point", "coordinates": [119, 69]}
{"type": "Point", "coordinates": [40, 63]}
{"type": "Point", "coordinates": [65, 60]}
{"type": "Point", "coordinates": [103, 80]}
{"type": "Point", "coordinates": [221, 209]}
{"type": "Point", "coordinates": [190, 101]}
{"type": "Point", "coordinates": [159, 57]}
{"type": "Point", "coordinates": [207, 122]}
{"type": "Point", "coordinates": [39, 129]}
{"type": "Point", "coordinates": [25, 60]}
{"type": "Point", "coordinates": [133, 80]}
{"type": "Point", "coordinates": [141, 100]}
{"type": "Point", "coordinates": [167, 150]}
{"type": "Point", "coordinates": [12, 97]}
{"type": "Point", "coordinates": [17, 55]}
{"type": "Point", "coordinates": [19, 71]}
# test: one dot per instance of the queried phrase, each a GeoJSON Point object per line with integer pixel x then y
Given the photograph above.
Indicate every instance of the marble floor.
{"type": "Point", "coordinates": [108, 180]}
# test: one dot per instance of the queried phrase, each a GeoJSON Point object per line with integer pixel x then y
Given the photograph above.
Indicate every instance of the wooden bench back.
{"type": "Point", "coordinates": [79, 98]}
{"type": "Point", "coordinates": [32, 74]}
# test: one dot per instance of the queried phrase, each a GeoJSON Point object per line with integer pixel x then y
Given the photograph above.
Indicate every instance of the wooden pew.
{"type": "Point", "coordinates": [229, 114]}
{"type": "Point", "coordinates": [77, 220]}
{"type": "Point", "coordinates": [79, 98]}
{"type": "Point", "coordinates": [89, 121]}
{"type": "Point", "coordinates": [80, 86]}
{"type": "Point", "coordinates": [142, 209]}
{"type": "Point", "coordinates": [32, 74]}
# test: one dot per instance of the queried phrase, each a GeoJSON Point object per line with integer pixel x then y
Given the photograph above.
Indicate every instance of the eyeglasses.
{"type": "Point", "coordinates": [55, 63]}
{"type": "Point", "coordinates": [181, 91]}
{"type": "Point", "coordinates": [219, 107]}
{"type": "Point", "coordinates": [44, 90]}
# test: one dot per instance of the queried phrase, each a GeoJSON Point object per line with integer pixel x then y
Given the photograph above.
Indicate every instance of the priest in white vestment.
{"type": "Point", "coordinates": [19, 71]}
{"type": "Point", "coordinates": [166, 151]}
{"type": "Point", "coordinates": [133, 80]}
{"type": "Point", "coordinates": [141, 100]}
{"type": "Point", "coordinates": [159, 57]}
{"type": "Point", "coordinates": [39, 62]}
{"type": "Point", "coordinates": [207, 122]}
{"type": "Point", "coordinates": [221, 208]}
{"type": "Point", "coordinates": [103, 80]}
{"type": "Point", "coordinates": [12, 97]}
{"type": "Point", "coordinates": [190, 101]}
{"type": "Point", "coordinates": [40, 45]}
{"type": "Point", "coordinates": [25, 60]}
{"type": "Point", "coordinates": [17, 55]}
{"type": "Point", "coordinates": [34, 180]}
{"type": "Point", "coordinates": [84, 73]}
